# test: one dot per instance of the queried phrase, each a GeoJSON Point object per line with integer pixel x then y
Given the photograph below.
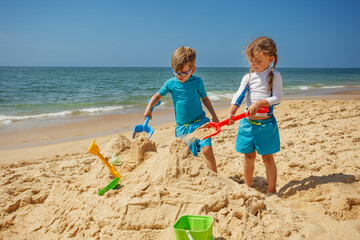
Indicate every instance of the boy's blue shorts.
{"type": "Point", "coordinates": [264, 138]}
{"type": "Point", "coordinates": [196, 145]}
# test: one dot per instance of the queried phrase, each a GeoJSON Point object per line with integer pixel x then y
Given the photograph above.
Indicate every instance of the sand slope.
{"type": "Point", "coordinates": [318, 185]}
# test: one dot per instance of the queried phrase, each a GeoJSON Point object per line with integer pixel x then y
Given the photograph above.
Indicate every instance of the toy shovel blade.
{"type": "Point", "coordinates": [145, 127]}
{"type": "Point", "coordinates": [137, 129]}
{"type": "Point", "coordinates": [217, 126]}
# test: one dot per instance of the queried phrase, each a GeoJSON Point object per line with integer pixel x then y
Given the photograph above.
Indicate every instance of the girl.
{"type": "Point", "coordinates": [259, 131]}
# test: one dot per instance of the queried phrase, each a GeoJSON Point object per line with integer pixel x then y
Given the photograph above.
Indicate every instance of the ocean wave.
{"type": "Point", "coordinates": [340, 86]}
{"type": "Point", "coordinates": [309, 87]}
{"type": "Point", "coordinates": [217, 96]}
{"type": "Point", "coordinates": [6, 119]}
{"type": "Point", "coordinates": [102, 109]}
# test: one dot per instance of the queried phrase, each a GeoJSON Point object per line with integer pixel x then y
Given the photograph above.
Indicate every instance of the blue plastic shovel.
{"type": "Point", "coordinates": [145, 127]}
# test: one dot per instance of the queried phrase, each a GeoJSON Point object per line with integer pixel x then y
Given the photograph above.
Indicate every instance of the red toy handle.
{"type": "Point", "coordinates": [240, 116]}
{"type": "Point", "coordinates": [217, 126]}
{"type": "Point", "coordinates": [245, 114]}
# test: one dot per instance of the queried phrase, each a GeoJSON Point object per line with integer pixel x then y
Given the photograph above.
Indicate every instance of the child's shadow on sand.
{"type": "Point", "coordinates": [293, 187]}
{"type": "Point", "coordinates": [259, 183]}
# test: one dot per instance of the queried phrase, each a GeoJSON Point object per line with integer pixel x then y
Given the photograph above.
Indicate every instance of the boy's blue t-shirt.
{"type": "Point", "coordinates": [186, 98]}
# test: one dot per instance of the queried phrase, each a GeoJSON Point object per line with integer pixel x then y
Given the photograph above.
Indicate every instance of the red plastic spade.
{"type": "Point", "coordinates": [217, 126]}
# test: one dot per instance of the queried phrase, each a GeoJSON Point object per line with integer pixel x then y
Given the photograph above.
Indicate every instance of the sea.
{"type": "Point", "coordinates": [63, 93]}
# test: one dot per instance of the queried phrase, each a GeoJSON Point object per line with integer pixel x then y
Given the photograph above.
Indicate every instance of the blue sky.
{"type": "Point", "coordinates": [145, 33]}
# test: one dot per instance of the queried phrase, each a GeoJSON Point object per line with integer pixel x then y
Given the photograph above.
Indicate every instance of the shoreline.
{"type": "Point", "coordinates": [80, 131]}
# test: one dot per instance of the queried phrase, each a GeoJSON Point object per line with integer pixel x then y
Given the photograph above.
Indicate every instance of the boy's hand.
{"type": "Point", "coordinates": [152, 102]}
{"type": "Point", "coordinates": [215, 119]}
{"type": "Point", "coordinates": [147, 113]}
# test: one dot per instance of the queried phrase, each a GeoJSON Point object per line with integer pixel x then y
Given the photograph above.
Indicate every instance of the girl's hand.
{"type": "Point", "coordinates": [229, 116]}
{"type": "Point", "coordinates": [256, 105]}
{"type": "Point", "coordinates": [253, 109]}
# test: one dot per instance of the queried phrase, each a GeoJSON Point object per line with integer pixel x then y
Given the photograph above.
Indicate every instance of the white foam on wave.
{"type": "Point", "coordinates": [101, 109]}
{"type": "Point", "coordinates": [8, 119]}
{"type": "Point", "coordinates": [304, 88]}
{"type": "Point", "coordinates": [216, 96]}
{"type": "Point", "coordinates": [301, 87]}
{"type": "Point", "coordinates": [340, 86]}
{"type": "Point", "coordinates": [5, 122]}
{"type": "Point", "coordinates": [5, 119]}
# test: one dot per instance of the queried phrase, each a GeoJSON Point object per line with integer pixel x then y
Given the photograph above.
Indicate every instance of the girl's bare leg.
{"type": "Point", "coordinates": [271, 172]}
{"type": "Point", "coordinates": [249, 168]}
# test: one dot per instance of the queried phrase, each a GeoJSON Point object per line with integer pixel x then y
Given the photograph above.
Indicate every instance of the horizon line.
{"type": "Point", "coordinates": [153, 67]}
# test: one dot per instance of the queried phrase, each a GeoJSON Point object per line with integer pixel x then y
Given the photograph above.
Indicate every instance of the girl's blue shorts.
{"type": "Point", "coordinates": [262, 135]}
{"type": "Point", "coordinates": [195, 145]}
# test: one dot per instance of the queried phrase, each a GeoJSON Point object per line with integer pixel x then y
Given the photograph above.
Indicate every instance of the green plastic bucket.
{"type": "Point", "coordinates": [199, 228]}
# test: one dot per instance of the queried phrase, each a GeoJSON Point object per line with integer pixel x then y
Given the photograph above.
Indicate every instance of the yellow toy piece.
{"type": "Point", "coordinates": [94, 149]}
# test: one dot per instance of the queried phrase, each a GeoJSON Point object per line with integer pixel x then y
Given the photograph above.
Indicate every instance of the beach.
{"type": "Point", "coordinates": [49, 180]}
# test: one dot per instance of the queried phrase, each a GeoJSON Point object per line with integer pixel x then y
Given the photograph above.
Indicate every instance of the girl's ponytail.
{"type": "Point", "coordinates": [271, 74]}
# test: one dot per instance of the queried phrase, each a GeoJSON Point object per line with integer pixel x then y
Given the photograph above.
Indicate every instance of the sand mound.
{"type": "Point", "coordinates": [117, 144]}
{"type": "Point", "coordinates": [160, 189]}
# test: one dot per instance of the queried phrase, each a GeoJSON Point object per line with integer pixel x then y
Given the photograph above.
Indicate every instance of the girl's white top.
{"type": "Point", "coordinates": [256, 88]}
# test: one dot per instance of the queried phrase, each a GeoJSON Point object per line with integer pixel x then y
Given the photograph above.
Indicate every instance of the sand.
{"type": "Point", "coordinates": [50, 191]}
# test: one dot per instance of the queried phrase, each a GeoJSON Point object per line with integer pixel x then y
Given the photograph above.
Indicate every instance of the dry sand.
{"type": "Point", "coordinates": [50, 192]}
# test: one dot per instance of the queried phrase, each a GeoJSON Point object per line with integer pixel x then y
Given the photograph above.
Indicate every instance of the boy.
{"type": "Point", "coordinates": [187, 91]}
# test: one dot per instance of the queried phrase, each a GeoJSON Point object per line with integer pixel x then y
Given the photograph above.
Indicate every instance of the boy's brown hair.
{"type": "Point", "coordinates": [183, 56]}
